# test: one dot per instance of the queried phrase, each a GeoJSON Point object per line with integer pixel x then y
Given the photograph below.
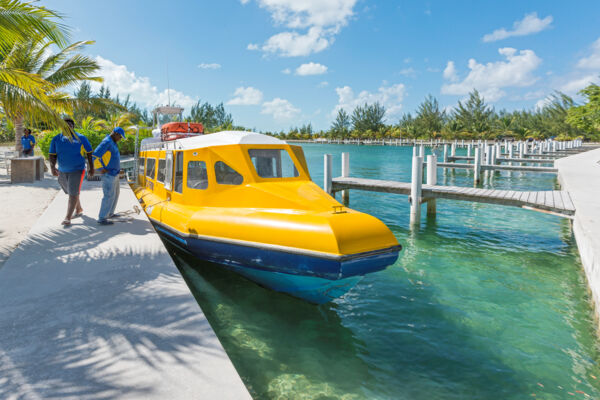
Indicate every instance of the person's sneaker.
{"type": "Point", "coordinates": [105, 222]}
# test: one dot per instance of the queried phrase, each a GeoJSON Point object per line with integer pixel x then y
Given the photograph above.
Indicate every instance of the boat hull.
{"type": "Point", "coordinates": [314, 278]}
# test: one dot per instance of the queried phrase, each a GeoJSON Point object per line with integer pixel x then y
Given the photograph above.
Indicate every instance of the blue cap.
{"type": "Point", "coordinates": [119, 130]}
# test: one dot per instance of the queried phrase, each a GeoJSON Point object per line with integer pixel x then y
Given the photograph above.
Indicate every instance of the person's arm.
{"type": "Point", "coordinates": [52, 157]}
{"type": "Point", "coordinates": [90, 164]}
{"type": "Point", "coordinates": [88, 148]}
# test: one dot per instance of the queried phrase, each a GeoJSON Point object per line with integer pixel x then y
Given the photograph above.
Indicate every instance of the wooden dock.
{"type": "Point", "coordinates": [554, 201]}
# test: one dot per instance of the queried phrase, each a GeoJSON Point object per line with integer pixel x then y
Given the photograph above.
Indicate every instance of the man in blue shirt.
{"type": "Point", "coordinates": [107, 155]}
{"type": "Point", "coordinates": [69, 150]}
{"type": "Point", "coordinates": [27, 142]}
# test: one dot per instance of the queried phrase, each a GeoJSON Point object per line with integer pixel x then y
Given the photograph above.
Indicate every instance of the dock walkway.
{"type": "Point", "coordinates": [554, 201]}
{"type": "Point", "coordinates": [101, 312]}
{"type": "Point", "coordinates": [580, 175]}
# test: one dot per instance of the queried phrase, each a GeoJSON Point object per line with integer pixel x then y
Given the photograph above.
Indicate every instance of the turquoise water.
{"type": "Point", "coordinates": [485, 302]}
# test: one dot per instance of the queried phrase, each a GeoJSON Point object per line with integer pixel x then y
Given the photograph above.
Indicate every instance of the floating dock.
{"type": "Point", "coordinates": [101, 312]}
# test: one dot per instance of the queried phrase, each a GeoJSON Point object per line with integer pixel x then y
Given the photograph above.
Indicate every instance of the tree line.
{"type": "Point", "coordinates": [473, 118]}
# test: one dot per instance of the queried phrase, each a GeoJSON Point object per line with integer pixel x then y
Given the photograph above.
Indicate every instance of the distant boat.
{"type": "Point", "coordinates": [246, 201]}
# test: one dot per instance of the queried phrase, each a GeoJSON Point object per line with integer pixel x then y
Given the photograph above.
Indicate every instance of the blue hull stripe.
{"type": "Point", "coordinates": [315, 279]}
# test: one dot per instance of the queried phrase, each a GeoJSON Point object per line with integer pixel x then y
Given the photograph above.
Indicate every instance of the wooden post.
{"type": "Point", "coordinates": [453, 150]}
{"type": "Point", "coordinates": [469, 149]}
{"type": "Point", "coordinates": [327, 173]}
{"type": "Point", "coordinates": [415, 191]}
{"type": "Point", "coordinates": [421, 151]}
{"type": "Point", "coordinates": [445, 153]}
{"type": "Point", "coordinates": [431, 180]}
{"type": "Point", "coordinates": [477, 169]}
{"type": "Point", "coordinates": [345, 174]}
{"type": "Point", "coordinates": [510, 150]}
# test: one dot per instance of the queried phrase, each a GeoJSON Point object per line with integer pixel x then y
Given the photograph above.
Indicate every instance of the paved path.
{"type": "Point", "coordinates": [94, 312]}
{"type": "Point", "coordinates": [21, 204]}
{"type": "Point", "coordinates": [580, 175]}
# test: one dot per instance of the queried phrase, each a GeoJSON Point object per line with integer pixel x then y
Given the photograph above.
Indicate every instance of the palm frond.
{"type": "Point", "coordinates": [74, 70]}
{"type": "Point", "coordinates": [20, 20]}
{"type": "Point", "coordinates": [52, 61]}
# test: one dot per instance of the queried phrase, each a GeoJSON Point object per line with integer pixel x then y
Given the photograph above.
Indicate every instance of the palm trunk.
{"type": "Point", "coordinates": [17, 122]}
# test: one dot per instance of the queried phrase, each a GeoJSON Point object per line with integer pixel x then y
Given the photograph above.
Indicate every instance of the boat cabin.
{"type": "Point", "coordinates": [209, 169]}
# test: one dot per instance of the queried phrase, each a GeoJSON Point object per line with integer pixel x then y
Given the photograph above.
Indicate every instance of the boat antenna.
{"type": "Point", "coordinates": [168, 85]}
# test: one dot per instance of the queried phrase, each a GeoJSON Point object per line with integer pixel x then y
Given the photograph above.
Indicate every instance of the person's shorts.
{"type": "Point", "coordinates": [28, 153]}
{"type": "Point", "coordinates": [70, 182]}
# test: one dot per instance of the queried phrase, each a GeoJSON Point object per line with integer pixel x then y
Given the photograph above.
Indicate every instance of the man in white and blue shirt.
{"type": "Point", "coordinates": [107, 154]}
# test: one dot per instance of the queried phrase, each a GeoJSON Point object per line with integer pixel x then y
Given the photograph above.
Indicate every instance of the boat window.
{"type": "Point", "coordinates": [273, 163]}
{"type": "Point", "coordinates": [160, 173]}
{"type": "Point", "coordinates": [141, 165]}
{"type": "Point", "coordinates": [197, 177]}
{"type": "Point", "coordinates": [178, 172]}
{"type": "Point", "coordinates": [226, 175]}
{"type": "Point", "coordinates": [150, 162]}
{"type": "Point", "coordinates": [169, 171]}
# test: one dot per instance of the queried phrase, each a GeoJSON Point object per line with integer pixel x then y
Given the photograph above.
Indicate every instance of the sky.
{"type": "Point", "coordinates": [277, 64]}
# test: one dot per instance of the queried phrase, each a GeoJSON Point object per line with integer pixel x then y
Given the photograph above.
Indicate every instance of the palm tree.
{"type": "Point", "coordinates": [53, 73]}
{"type": "Point", "coordinates": [123, 120]}
{"type": "Point", "coordinates": [89, 123]}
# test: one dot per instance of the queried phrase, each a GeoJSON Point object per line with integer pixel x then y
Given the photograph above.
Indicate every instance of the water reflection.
{"type": "Point", "coordinates": [276, 341]}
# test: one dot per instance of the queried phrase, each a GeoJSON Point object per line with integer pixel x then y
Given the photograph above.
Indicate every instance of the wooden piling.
{"type": "Point", "coordinates": [477, 169]}
{"type": "Point", "coordinates": [415, 191]}
{"type": "Point", "coordinates": [345, 174]}
{"type": "Point", "coordinates": [327, 173]}
{"type": "Point", "coordinates": [431, 180]}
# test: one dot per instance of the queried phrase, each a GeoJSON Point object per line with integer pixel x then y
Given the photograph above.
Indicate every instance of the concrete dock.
{"type": "Point", "coordinates": [580, 175]}
{"type": "Point", "coordinates": [101, 312]}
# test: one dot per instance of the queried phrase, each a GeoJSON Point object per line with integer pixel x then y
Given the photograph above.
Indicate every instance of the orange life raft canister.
{"type": "Point", "coordinates": [179, 130]}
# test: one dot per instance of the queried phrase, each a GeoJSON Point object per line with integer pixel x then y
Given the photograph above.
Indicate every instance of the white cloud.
{"type": "Point", "coordinates": [490, 78]}
{"type": "Point", "coordinates": [293, 44]}
{"type": "Point", "coordinates": [593, 61]}
{"type": "Point", "coordinates": [530, 24]}
{"type": "Point", "coordinates": [577, 83]}
{"type": "Point", "coordinates": [542, 103]}
{"type": "Point", "coordinates": [390, 97]}
{"type": "Point", "coordinates": [209, 66]}
{"type": "Point", "coordinates": [252, 46]}
{"type": "Point", "coordinates": [450, 72]}
{"type": "Point", "coordinates": [123, 82]}
{"type": "Point", "coordinates": [280, 109]}
{"type": "Point", "coordinates": [323, 84]}
{"type": "Point", "coordinates": [246, 96]}
{"type": "Point", "coordinates": [286, 71]}
{"type": "Point", "coordinates": [587, 71]}
{"type": "Point", "coordinates": [322, 20]}
{"type": "Point", "coordinates": [311, 68]}
{"type": "Point", "coordinates": [410, 72]}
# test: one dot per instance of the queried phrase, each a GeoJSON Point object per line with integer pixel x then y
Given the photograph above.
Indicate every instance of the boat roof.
{"type": "Point", "coordinates": [220, 139]}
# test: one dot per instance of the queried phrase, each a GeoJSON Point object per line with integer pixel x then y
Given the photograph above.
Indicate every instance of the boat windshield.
{"type": "Point", "coordinates": [273, 163]}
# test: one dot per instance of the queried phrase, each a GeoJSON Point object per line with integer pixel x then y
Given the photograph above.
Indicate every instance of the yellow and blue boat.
{"type": "Point", "coordinates": [246, 201]}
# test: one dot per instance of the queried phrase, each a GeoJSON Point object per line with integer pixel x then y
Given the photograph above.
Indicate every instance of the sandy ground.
{"type": "Point", "coordinates": [20, 207]}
